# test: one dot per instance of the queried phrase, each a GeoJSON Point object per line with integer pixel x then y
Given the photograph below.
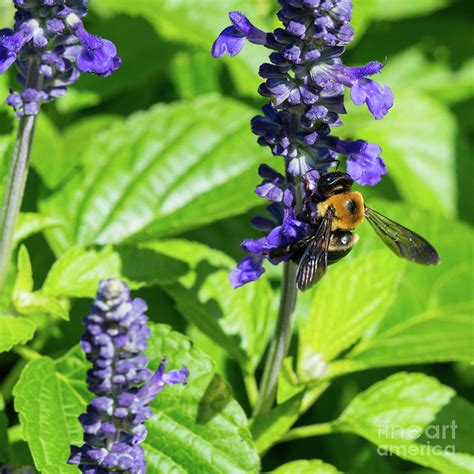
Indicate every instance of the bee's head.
{"type": "Point", "coordinates": [334, 182]}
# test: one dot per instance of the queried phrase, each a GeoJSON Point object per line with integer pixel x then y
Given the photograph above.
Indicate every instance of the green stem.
{"type": "Point", "coordinates": [27, 353]}
{"type": "Point", "coordinates": [15, 186]}
{"type": "Point", "coordinates": [308, 431]}
{"type": "Point", "coordinates": [252, 388]}
{"type": "Point", "coordinates": [281, 342]}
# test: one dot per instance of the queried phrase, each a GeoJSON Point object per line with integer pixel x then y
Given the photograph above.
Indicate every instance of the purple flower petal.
{"type": "Point", "coordinates": [232, 39]}
{"type": "Point", "coordinates": [366, 166]}
{"type": "Point", "coordinates": [230, 42]}
{"type": "Point", "coordinates": [249, 269]}
{"type": "Point", "coordinates": [97, 56]}
{"type": "Point", "coordinates": [378, 99]}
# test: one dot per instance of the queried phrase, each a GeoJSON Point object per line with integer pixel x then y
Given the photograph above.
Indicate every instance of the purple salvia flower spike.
{"type": "Point", "coordinates": [304, 84]}
{"type": "Point", "coordinates": [51, 33]}
{"type": "Point", "coordinates": [115, 337]}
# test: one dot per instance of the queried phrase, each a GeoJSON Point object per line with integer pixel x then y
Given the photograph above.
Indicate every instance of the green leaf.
{"type": "Point", "coordinates": [45, 404]}
{"type": "Point", "coordinates": [195, 73]}
{"type": "Point", "coordinates": [25, 300]}
{"type": "Point", "coordinates": [195, 428]}
{"type": "Point", "coordinates": [420, 158]}
{"type": "Point", "coordinates": [433, 78]}
{"type": "Point", "coordinates": [270, 428]}
{"type": "Point", "coordinates": [399, 9]}
{"type": "Point", "coordinates": [406, 415]}
{"type": "Point", "coordinates": [306, 466]}
{"type": "Point", "coordinates": [24, 279]}
{"type": "Point", "coordinates": [78, 272]}
{"type": "Point", "coordinates": [15, 330]}
{"type": "Point", "coordinates": [30, 223]}
{"type": "Point", "coordinates": [164, 171]}
{"type": "Point", "coordinates": [54, 156]}
{"type": "Point", "coordinates": [77, 136]}
{"type": "Point", "coordinates": [142, 265]}
{"type": "Point", "coordinates": [238, 320]}
{"type": "Point", "coordinates": [430, 320]}
{"type": "Point", "coordinates": [346, 304]}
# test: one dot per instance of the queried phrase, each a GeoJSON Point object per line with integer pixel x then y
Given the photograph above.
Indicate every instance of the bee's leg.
{"type": "Point", "coordinates": [291, 248]}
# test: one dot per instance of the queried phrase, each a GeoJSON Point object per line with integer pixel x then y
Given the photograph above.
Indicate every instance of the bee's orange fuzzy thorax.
{"type": "Point", "coordinates": [349, 210]}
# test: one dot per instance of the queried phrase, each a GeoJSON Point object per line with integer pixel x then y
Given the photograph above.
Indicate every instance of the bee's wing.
{"type": "Point", "coordinates": [314, 262]}
{"type": "Point", "coordinates": [402, 241]}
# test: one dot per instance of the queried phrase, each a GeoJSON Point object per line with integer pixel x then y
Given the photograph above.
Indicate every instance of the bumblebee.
{"type": "Point", "coordinates": [334, 212]}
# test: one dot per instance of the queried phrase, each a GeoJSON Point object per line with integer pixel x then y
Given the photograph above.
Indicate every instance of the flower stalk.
{"type": "Point", "coordinates": [17, 176]}
{"type": "Point", "coordinates": [281, 341]}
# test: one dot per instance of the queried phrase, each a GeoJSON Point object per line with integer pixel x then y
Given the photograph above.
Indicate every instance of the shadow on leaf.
{"type": "Point", "coordinates": [215, 399]}
{"type": "Point", "coordinates": [145, 265]}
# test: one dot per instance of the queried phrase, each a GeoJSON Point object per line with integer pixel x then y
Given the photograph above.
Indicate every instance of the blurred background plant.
{"type": "Point", "coordinates": [149, 176]}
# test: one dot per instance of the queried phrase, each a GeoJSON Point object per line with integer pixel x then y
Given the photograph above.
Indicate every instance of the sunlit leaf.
{"type": "Point", "coordinates": [416, 418]}
{"type": "Point", "coordinates": [430, 319]}
{"type": "Point", "coordinates": [28, 302]}
{"type": "Point", "coordinates": [77, 273]}
{"type": "Point", "coordinates": [162, 172]}
{"type": "Point", "coordinates": [351, 298]}
{"type": "Point", "coordinates": [15, 330]}
{"type": "Point", "coordinates": [30, 223]}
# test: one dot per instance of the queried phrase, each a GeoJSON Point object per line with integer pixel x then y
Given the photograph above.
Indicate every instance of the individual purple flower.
{"type": "Point", "coordinates": [379, 99]}
{"type": "Point", "coordinates": [232, 39]}
{"type": "Point", "coordinates": [97, 55]}
{"type": "Point", "coordinates": [365, 165]}
{"type": "Point", "coordinates": [50, 35]}
{"type": "Point", "coordinates": [116, 336]}
{"type": "Point", "coordinates": [304, 82]}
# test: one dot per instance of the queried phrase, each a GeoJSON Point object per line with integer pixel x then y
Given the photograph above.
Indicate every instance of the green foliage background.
{"type": "Point", "coordinates": [149, 176]}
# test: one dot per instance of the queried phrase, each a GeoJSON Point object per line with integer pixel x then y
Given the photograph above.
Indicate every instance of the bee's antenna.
{"type": "Point", "coordinates": [338, 163]}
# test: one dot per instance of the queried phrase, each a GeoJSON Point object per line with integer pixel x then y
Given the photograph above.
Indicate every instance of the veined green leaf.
{"type": "Point", "coordinates": [417, 418]}
{"type": "Point", "coordinates": [25, 300]}
{"type": "Point", "coordinates": [430, 320]}
{"type": "Point", "coordinates": [351, 298]}
{"type": "Point", "coordinates": [197, 427]}
{"type": "Point", "coordinates": [77, 273]}
{"type": "Point", "coordinates": [164, 171]}
{"type": "Point", "coordinates": [15, 330]}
